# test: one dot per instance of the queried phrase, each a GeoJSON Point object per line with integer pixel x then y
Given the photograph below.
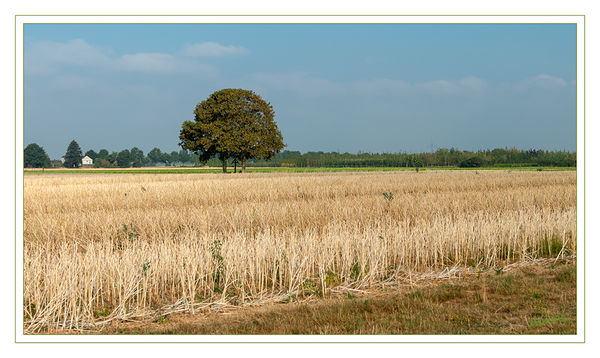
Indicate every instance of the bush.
{"type": "Point", "coordinates": [472, 162]}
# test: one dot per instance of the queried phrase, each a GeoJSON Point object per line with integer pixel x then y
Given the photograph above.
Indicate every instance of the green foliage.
{"type": "Point", "coordinates": [311, 287]}
{"type": "Point", "coordinates": [136, 155]}
{"type": "Point", "coordinates": [145, 267]}
{"type": "Point", "coordinates": [35, 156]}
{"type": "Point", "coordinates": [101, 163]}
{"type": "Point", "coordinates": [355, 271]}
{"type": "Point", "coordinates": [184, 156]}
{"type": "Point", "coordinates": [124, 159]}
{"type": "Point", "coordinates": [155, 155]}
{"type": "Point", "coordinates": [102, 154]}
{"type": "Point", "coordinates": [232, 123]}
{"type": "Point", "coordinates": [567, 274]}
{"type": "Point", "coordinates": [331, 279]}
{"type": "Point", "coordinates": [73, 155]}
{"type": "Point", "coordinates": [90, 153]}
{"type": "Point", "coordinates": [130, 232]}
{"type": "Point", "coordinates": [173, 157]}
{"type": "Point", "coordinates": [102, 312]}
{"type": "Point", "coordinates": [388, 196]}
{"type": "Point", "coordinates": [219, 261]}
{"type": "Point", "coordinates": [472, 162]}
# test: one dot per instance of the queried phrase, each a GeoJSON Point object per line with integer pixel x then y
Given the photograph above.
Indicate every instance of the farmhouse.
{"type": "Point", "coordinates": [86, 161]}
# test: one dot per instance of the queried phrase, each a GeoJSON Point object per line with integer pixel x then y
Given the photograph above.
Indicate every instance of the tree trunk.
{"type": "Point", "coordinates": [235, 166]}
{"type": "Point", "coordinates": [243, 164]}
{"type": "Point", "coordinates": [224, 165]}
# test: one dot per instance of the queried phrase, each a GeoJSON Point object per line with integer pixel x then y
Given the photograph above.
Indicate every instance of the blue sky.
{"type": "Point", "coordinates": [346, 88]}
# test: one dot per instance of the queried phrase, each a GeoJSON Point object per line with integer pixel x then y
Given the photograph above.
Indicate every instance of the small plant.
{"type": "Point", "coordinates": [499, 271]}
{"type": "Point", "coordinates": [388, 196]}
{"type": "Point", "coordinates": [215, 249]}
{"type": "Point", "coordinates": [161, 319]}
{"type": "Point", "coordinates": [331, 279]}
{"type": "Point", "coordinates": [355, 271]}
{"type": "Point", "coordinates": [311, 287]}
{"type": "Point", "coordinates": [103, 312]}
{"type": "Point", "coordinates": [143, 189]}
{"type": "Point", "coordinates": [145, 267]}
{"type": "Point", "coordinates": [130, 232]}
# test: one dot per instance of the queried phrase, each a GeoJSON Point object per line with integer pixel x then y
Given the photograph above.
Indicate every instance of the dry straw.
{"type": "Point", "coordinates": [100, 248]}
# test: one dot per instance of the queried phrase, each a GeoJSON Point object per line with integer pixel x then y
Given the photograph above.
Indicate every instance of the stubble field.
{"type": "Point", "coordinates": [100, 248]}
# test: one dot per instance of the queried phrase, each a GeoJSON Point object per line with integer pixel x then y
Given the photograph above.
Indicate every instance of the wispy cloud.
{"type": "Point", "coordinates": [311, 85]}
{"type": "Point", "coordinates": [542, 81]}
{"type": "Point", "coordinates": [212, 49]}
{"type": "Point", "coordinates": [44, 56]}
{"type": "Point", "coordinates": [47, 57]}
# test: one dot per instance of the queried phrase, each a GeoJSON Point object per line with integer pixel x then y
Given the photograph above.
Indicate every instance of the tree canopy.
{"type": "Point", "coordinates": [73, 155]}
{"type": "Point", "coordinates": [35, 156]}
{"type": "Point", "coordinates": [124, 159]}
{"type": "Point", "coordinates": [90, 153]}
{"type": "Point", "coordinates": [232, 123]}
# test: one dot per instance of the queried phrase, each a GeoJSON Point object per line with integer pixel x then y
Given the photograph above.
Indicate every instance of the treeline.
{"type": "Point", "coordinates": [35, 156]}
{"type": "Point", "coordinates": [440, 158]}
{"type": "Point", "coordinates": [135, 157]}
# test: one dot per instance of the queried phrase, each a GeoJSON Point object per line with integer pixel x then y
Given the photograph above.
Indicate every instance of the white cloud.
{"type": "Point", "coordinates": [45, 58]}
{"type": "Point", "coordinates": [438, 86]}
{"type": "Point", "coordinates": [542, 81]}
{"type": "Point", "coordinates": [309, 85]}
{"type": "Point", "coordinates": [212, 49]}
{"type": "Point", "coordinates": [474, 83]}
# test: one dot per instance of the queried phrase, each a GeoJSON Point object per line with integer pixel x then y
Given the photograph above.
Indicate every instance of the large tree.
{"type": "Point", "coordinates": [232, 123]}
{"type": "Point", "coordinates": [35, 156]}
{"type": "Point", "coordinates": [73, 155]}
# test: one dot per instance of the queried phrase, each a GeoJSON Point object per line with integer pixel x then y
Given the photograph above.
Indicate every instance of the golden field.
{"type": "Point", "coordinates": [105, 247]}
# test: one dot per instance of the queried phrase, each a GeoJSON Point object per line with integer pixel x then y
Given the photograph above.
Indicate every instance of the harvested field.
{"type": "Point", "coordinates": [106, 247]}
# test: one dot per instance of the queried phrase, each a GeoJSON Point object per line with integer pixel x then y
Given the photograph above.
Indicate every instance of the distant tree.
{"type": "Point", "coordinates": [102, 154]}
{"type": "Point", "coordinates": [232, 123]}
{"type": "Point", "coordinates": [35, 156]}
{"type": "Point", "coordinates": [124, 159]}
{"type": "Point", "coordinates": [112, 158]}
{"type": "Point", "coordinates": [101, 163]}
{"type": "Point", "coordinates": [155, 155]}
{"type": "Point", "coordinates": [174, 157]}
{"type": "Point", "coordinates": [165, 158]}
{"type": "Point", "coordinates": [73, 155]}
{"type": "Point", "coordinates": [137, 155]}
{"type": "Point", "coordinates": [90, 153]}
{"type": "Point", "coordinates": [184, 156]}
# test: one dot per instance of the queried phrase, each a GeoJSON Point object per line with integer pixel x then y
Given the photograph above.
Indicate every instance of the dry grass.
{"type": "Point", "coordinates": [535, 298]}
{"type": "Point", "coordinates": [104, 247]}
